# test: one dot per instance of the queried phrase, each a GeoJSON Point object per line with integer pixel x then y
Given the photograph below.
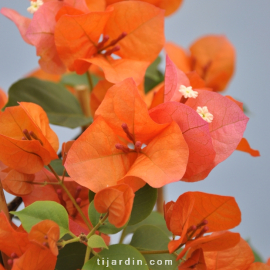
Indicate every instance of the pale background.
{"type": "Point", "coordinates": [247, 25]}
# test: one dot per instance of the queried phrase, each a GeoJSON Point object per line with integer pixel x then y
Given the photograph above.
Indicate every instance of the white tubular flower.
{"type": "Point", "coordinates": [35, 6]}
{"type": "Point", "coordinates": [205, 114]}
{"type": "Point", "coordinates": [187, 92]}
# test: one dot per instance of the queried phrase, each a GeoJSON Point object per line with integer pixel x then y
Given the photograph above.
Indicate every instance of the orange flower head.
{"type": "Point", "coordinates": [117, 201]}
{"type": "Point", "coordinates": [27, 141]}
{"type": "Point", "coordinates": [126, 145]}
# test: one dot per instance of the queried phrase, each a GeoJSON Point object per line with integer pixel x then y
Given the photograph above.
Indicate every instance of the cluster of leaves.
{"type": "Point", "coordinates": [141, 131]}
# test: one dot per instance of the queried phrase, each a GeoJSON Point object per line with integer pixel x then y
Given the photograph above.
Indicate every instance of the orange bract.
{"type": "Point", "coordinates": [170, 6]}
{"type": "Point", "coordinates": [195, 261]}
{"type": "Point", "coordinates": [18, 184]}
{"type": "Point", "coordinates": [27, 141]}
{"type": "Point", "coordinates": [245, 147]}
{"type": "Point", "coordinates": [239, 257]}
{"type": "Point", "coordinates": [212, 57]}
{"type": "Point", "coordinates": [117, 201]}
{"type": "Point", "coordinates": [19, 242]}
{"type": "Point", "coordinates": [259, 266]}
{"type": "Point", "coordinates": [79, 50]}
{"type": "Point", "coordinates": [46, 233]}
{"type": "Point", "coordinates": [160, 156]}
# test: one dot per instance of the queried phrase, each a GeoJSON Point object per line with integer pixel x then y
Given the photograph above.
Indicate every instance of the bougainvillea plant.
{"type": "Point", "coordinates": [140, 130]}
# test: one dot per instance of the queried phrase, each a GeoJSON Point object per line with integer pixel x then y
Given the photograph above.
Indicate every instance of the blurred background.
{"type": "Point", "coordinates": [247, 25]}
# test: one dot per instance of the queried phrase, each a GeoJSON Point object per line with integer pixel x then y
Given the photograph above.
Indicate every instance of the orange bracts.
{"type": "Point", "coordinates": [197, 213]}
{"type": "Point", "coordinates": [212, 57]}
{"type": "Point", "coordinates": [117, 201]}
{"type": "Point", "coordinates": [27, 141]}
{"type": "Point", "coordinates": [36, 250]}
{"type": "Point", "coordinates": [125, 145]}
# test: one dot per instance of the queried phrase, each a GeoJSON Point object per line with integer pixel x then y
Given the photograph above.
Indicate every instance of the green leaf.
{"type": "Point", "coordinates": [150, 238]}
{"type": "Point", "coordinates": [61, 106]}
{"type": "Point", "coordinates": [128, 256]}
{"type": "Point", "coordinates": [153, 76]}
{"type": "Point", "coordinates": [96, 241]}
{"type": "Point", "coordinates": [41, 210]}
{"type": "Point", "coordinates": [73, 79]}
{"type": "Point", "coordinates": [144, 202]}
{"type": "Point", "coordinates": [57, 166]}
{"type": "Point", "coordinates": [257, 256]}
{"type": "Point", "coordinates": [94, 217]}
{"type": "Point", "coordinates": [71, 257]}
{"type": "Point", "coordinates": [91, 196]}
{"type": "Point", "coordinates": [155, 219]}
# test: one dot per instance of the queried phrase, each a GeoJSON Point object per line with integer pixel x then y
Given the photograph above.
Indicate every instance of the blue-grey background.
{"type": "Point", "coordinates": [247, 25]}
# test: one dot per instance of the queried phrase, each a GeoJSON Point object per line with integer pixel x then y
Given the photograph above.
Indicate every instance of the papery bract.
{"type": "Point", "coordinates": [226, 129]}
{"type": "Point", "coordinates": [215, 242]}
{"type": "Point", "coordinates": [28, 143]}
{"type": "Point", "coordinates": [117, 201]}
{"type": "Point", "coordinates": [170, 6]}
{"type": "Point", "coordinates": [19, 241]}
{"type": "Point", "coordinates": [239, 257]}
{"type": "Point", "coordinates": [212, 57]}
{"type": "Point", "coordinates": [197, 209]}
{"type": "Point", "coordinates": [245, 147]}
{"type": "Point", "coordinates": [79, 50]}
{"type": "Point", "coordinates": [259, 266]}
{"type": "Point", "coordinates": [46, 231]}
{"type": "Point", "coordinates": [17, 183]}
{"type": "Point", "coordinates": [195, 261]}
{"type": "Point", "coordinates": [161, 161]}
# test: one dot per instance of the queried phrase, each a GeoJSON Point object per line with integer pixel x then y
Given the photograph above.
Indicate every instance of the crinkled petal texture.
{"type": "Point", "coordinates": [214, 58]}
{"type": "Point", "coordinates": [11, 241]}
{"type": "Point", "coordinates": [239, 257]}
{"type": "Point", "coordinates": [221, 212]}
{"type": "Point", "coordinates": [21, 22]}
{"type": "Point", "coordinates": [228, 125]}
{"type": "Point", "coordinates": [140, 21]}
{"type": "Point", "coordinates": [196, 133]}
{"type": "Point", "coordinates": [26, 156]}
{"type": "Point", "coordinates": [41, 34]}
{"type": "Point", "coordinates": [117, 201]}
{"type": "Point", "coordinates": [163, 159]}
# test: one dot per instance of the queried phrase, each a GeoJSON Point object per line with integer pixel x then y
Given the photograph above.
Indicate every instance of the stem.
{"type": "Point", "coordinates": [160, 200]}
{"type": "Point", "coordinates": [71, 198]}
{"type": "Point", "coordinates": [154, 251]}
{"type": "Point", "coordinates": [73, 240]}
{"type": "Point", "coordinates": [123, 235]}
{"type": "Point", "coordinates": [87, 254]}
{"type": "Point", "coordinates": [63, 175]}
{"type": "Point", "coordinates": [14, 204]}
{"type": "Point", "coordinates": [90, 81]}
{"type": "Point", "coordinates": [42, 183]}
{"type": "Point", "coordinates": [101, 221]}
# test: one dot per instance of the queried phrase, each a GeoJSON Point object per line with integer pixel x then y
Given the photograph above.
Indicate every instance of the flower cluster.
{"type": "Point", "coordinates": [136, 138]}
